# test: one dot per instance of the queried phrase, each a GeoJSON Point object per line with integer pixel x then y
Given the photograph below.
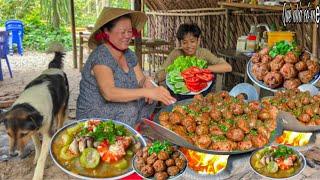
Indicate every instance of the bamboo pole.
{"type": "Point", "coordinates": [185, 15]}
{"type": "Point", "coordinates": [194, 10]}
{"type": "Point", "coordinates": [138, 40]}
{"type": "Point", "coordinates": [315, 36]}
{"type": "Point", "coordinates": [73, 29]}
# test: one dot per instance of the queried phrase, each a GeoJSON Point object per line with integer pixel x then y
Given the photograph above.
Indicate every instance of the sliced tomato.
{"type": "Point", "coordinates": [185, 76]}
{"type": "Point", "coordinates": [192, 79]}
{"type": "Point", "coordinates": [195, 69]}
{"type": "Point", "coordinates": [208, 71]}
{"type": "Point", "coordinates": [205, 77]}
{"type": "Point", "coordinates": [196, 87]}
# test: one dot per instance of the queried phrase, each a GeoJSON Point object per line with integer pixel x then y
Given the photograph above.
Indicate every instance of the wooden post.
{"type": "Point", "coordinates": [80, 51]}
{"type": "Point", "coordinates": [227, 43]}
{"type": "Point", "coordinates": [315, 36]}
{"type": "Point", "coordinates": [138, 40]}
{"type": "Point", "coordinates": [73, 29]}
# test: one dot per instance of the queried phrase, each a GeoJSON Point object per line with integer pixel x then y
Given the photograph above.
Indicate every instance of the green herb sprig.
{"type": "Point", "coordinates": [158, 146]}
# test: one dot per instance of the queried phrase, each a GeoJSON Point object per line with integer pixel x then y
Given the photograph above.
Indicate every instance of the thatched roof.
{"type": "Point", "coordinates": [180, 4]}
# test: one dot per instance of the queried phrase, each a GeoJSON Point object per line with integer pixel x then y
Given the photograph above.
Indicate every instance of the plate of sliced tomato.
{"type": "Point", "coordinates": [195, 79]}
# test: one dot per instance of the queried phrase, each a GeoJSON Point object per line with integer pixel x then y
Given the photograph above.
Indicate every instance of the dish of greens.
{"type": "Point", "coordinates": [96, 148]}
{"type": "Point", "coordinates": [188, 76]}
{"type": "Point", "coordinates": [277, 162]}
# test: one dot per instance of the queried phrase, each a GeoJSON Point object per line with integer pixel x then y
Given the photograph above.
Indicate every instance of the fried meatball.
{"type": "Point", "coordinates": [301, 66]}
{"type": "Point", "coordinates": [254, 105]}
{"type": "Point", "coordinates": [313, 67]}
{"type": "Point", "coordinates": [290, 57]}
{"type": "Point", "coordinates": [256, 58]}
{"type": "Point", "coordinates": [159, 165]}
{"type": "Point", "coordinates": [288, 71]}
{"type": "Point", "coordinates": [164, 116]}
{"type": "Point", "coordinates": [292, 83]}
{"type": "Point", "coordinates": [147, 170]}
{"type": "Point", "coordinates": [152, 158]}
{"type": "Point", "coordinates": [236, 109]}
{"type": "Point", "coordinates": [262, 130]}
{"type": "Point", "coordinates": [305, 56]}
{"type": "Point", "coordinates": [260, 70]}
{"type": "Point", "coordinates": [139, 163]}
{"type": "Point", "coordinates": [161, 175]}
{"type": "Point", "coordinates": [179, 109]}
{"type": "Point", "coordinates": [215, 130]}
{"type": "Point", "coordinates": [192, 128]}
{"type": "Point", "coordinates": [163, 155]}
{"type": "Point", "coordinates": [223, 146]}
{"type": "Point", "coordinates": [266, 59]}
{"type": "Point", "coordinates": [175, 117]}
{"type": "Point", "coordinates": [304, 118]}
{"type": "Point", "coordinates": [243, 125]}
{"type": "Point", "coordinates": [264, 114]}
{"type": "Point", "coordinates": [203, 141]}
{"type": "Point", "coordinates": [203, 118]}
{"type": "Point", "coordinates": [180, 163]}
{"type": "Point", "coordinates": [227, 114]}
{"type": "Point", "coordinates": [170, 162]}
{"type": "Point", "coordinates": [175, 155]}
{"type": "Point", "coordinates": [173, 170]}
{"type": "Point", "coordinates": [202, 130]}
{"type": "Point", "coordinates": [259, 140]}
{"type": "Point", "coordinates": [244, 145]}
{"type": "Point", "coordinates": [187, 121]}
{"type": "Point", "coordinates": [305, 76]}
{"type": "Point", "coordinates": [277, 63]}
{"type": "Point", "coordinates": [215, 114]}
{"type": "Point", "coordinates": [235, 134]}
{"type": "Point", "coordinates": [181, 130]}
{"type": "Point", "coordinates": [273, 79]}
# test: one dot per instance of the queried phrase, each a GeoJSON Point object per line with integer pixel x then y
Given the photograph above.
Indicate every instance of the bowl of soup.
{"type": "Point", "coordinates": [96, 149]}
{"type": "Point", "coordinates": [277, 162]}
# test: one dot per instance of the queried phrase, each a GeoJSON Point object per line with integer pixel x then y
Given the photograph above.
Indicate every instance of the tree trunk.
{"type": "Point", "coordinates": [55, 15]}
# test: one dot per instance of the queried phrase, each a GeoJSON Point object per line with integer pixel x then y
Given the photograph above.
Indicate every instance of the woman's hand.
{"type": "Point", "coordinates": [160, 94]}
{"type": "Point", "coordinates": [148, 84]}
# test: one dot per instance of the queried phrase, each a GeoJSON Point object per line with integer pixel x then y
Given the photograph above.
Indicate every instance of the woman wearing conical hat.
{"type": "Point", "coordinates": [113, 85]}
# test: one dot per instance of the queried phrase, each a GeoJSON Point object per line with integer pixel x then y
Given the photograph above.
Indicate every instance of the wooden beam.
{"type": "Point", "coordinates": [253, 7]}
{"type": "Point", "coordinates": [73, 30]}
{"type": "Point", "coordinates": [138, 40]}
{"type": "Point", "coordinates": [315, 36]}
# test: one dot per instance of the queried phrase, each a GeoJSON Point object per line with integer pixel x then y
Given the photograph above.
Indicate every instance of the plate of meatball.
{"type": "Point", "coordinates": [283, 71]}
{"type": "Point", "coordinates": [159, 160]}
{"type": "Point", "coordinates": [221, 124]}
{"type": "Point", "coordinates": [299, 110]}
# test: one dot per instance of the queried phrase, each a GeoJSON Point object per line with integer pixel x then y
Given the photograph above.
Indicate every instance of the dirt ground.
{"type": "Point", "coordinates": [25, 68]}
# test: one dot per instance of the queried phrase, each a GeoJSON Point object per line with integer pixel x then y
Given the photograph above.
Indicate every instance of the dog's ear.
{"type": "Point", "coordinates": [2, 116]}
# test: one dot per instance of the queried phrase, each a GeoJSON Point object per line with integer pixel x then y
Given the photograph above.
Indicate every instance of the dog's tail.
{"type": "Point", "coordinates": [59, 54]}
{"type": "Point", "coordinates": [57, 61]}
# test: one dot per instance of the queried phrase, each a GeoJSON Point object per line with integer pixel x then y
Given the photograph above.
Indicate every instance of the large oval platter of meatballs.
{"type": "Point", "coordinates": [302, 106]}
{"type": "Point", "coordinates": [287, 68]}
{"type": "Point", "coordinates": [222, 124]}
{"type": "Point", "coordinates": [159, 160]}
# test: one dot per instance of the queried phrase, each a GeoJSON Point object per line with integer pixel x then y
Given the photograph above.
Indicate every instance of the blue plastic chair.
{"type": "Point", "coordinates": [4, 36]}
{"type": "Point", "coordinates": [16, 32]}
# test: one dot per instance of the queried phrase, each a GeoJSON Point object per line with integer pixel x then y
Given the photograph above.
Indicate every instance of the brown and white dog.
{"type": "Point", "coordinates": [43, 101]}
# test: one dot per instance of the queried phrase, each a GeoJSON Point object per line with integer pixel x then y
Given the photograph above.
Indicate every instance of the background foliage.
{"type": "Point", "coordinates": [44, 22]}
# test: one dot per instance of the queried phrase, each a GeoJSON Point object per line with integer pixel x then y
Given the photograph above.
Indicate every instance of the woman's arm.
{"type": "Point", "coordinates": [105, 81]}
